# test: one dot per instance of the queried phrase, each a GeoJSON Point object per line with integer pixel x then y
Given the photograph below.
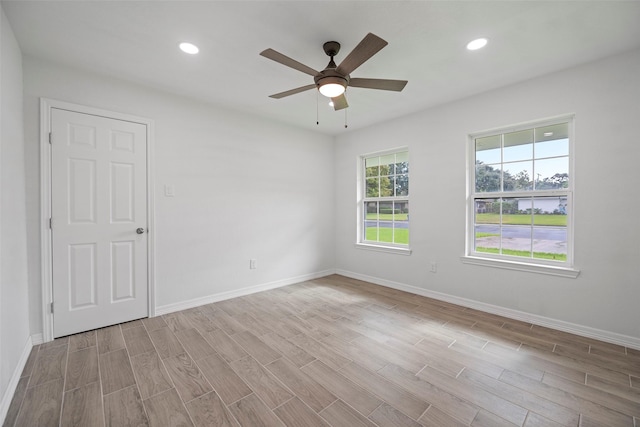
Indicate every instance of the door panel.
{"type": "Point", "coordinates": [82, 276]}
{"type": "Point", "coordinates": [82, 191]}
{"type": "Point", "coordinates": [98, 200]}
{"type": "Point", "coordinates": [122, 192]}
{"type": "Point", "coordinates": [122, 270]}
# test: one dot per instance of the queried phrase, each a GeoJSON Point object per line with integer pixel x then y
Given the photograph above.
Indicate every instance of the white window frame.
{"type": "Point", "coordinates": [557, 268]}
{"type": "Point", "coordinates": [361, 243]}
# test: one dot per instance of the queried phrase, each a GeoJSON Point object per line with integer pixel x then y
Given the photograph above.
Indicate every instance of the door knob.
{"type": "Point", "coordinates": [140, 230]}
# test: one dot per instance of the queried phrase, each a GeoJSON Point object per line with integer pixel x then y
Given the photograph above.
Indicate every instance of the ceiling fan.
{"type": "Point", "coordinates": [334, 79]}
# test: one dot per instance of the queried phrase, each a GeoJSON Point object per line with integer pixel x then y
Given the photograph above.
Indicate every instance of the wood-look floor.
{"type": "Point", "coordinates": [332, 351]}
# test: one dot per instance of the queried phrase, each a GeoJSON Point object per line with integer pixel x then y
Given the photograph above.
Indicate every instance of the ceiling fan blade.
{"type": "Point", "coordinates": [382, 84]}
{"type": "Point", "coordinates": [339, 102]}
{"type": "Point", "coordinates": [292, 91]}
{"type": "Point", "coordinates": [285, 60]}
{"type": "Point", "coordinates": [369, 46]}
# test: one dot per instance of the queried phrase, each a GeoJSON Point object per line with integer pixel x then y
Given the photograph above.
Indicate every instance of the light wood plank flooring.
{"type": "Point", "coordinates": [333, 351]}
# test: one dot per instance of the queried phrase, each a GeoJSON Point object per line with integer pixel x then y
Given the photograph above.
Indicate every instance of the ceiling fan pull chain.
{"type": "Point", "coordinates": [345, 118]}
{"type": "Point", "coordinates": [317, 108]}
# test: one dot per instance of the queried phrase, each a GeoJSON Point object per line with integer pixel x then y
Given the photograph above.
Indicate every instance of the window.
{"type": "Point", "coordinates": [520, 194]}
{"type": "Point", "coordinates": [384, 219]}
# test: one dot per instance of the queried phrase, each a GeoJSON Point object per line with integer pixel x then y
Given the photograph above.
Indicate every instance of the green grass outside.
{"type": "Point", "coordinates": [386, 235]}
{"type": "Point", "coordinates": [388, 217]}
{"type": "Point", "coordinates": [522, 219]}
{"type": "Point", "coordinates": [483, 234]}
{"type": "Point", "coordinates": [526, 254]}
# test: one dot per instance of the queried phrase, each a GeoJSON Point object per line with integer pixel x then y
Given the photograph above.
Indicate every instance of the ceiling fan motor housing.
{"type": "Point", "coordinates": [330, 75]}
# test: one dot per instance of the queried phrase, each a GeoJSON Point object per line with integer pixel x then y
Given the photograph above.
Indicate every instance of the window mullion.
{"type": "Point", "coordinates": [533, 222]}
{"type": "Point", "coordinates": [501, 246]}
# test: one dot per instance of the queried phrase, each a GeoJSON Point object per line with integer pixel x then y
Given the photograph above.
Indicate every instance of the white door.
{"type": "Point", "coordinates": [99, 221]}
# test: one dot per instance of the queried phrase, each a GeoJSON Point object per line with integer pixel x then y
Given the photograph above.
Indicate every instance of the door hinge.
{"type": "Point", "coordinates": [51, 306]}
{"type": "Point", "coordinates": [50, 137]}
{"type": "Point", "coordinates": [51, 223]}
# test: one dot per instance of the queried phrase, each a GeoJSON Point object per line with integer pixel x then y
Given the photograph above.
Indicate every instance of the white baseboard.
{"type": "Point", "coordinates": [37, 339]}
{"type": "Point", "coordinates": [196, 302]}
{"type": "Point", "coordinates": [15, 378]}
{"type": "Point", "coordinates": [560, 325]}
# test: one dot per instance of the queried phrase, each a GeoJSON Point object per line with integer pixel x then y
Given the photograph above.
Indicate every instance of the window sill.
{"type": "Point", "coordinates": [387, 249]}
{"type": "Point", "coordinates": [522, 266]}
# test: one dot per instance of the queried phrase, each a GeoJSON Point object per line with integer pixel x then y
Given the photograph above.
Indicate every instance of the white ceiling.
{"type": "Point", "coordinates": [137, 41]}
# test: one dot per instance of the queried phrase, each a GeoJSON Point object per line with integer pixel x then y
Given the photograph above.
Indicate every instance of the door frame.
{"type": "Point", "coordinates": [46, 240]}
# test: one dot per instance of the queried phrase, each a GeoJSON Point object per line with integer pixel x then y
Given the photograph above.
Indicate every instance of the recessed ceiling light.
{"type": "Point", "coordinates": [189, 48]}
{"type": "Point", "coordinates": [548, 133]}
{"type": "Point", "coordinates": [477, 44]}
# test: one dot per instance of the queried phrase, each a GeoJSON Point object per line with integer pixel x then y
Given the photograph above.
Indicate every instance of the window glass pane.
{"type": "Point", "coordinates": [373, 187]}
{"type": "Point", "coordinates": [401, 233]}
{"type": "Point", "coordinates": [385, 224]}
{"type": "Point", "coordinates": [371, 210]}
{"type": "Point", "coordinates": [401, 223]}
{"type": "Point", "coordinates": [402, 158]}
{"type": "Point", "coordinates": [402, 185]}
{"type": "Point", "coordinates": [371, 166]}
{"type": "Point", "coordinates": [387, 164]}
{"type": "Point", "coordinates": [371, 233]}
{"type": "Point", "coordinates": [552, 174]}
{"type": "Point", "coordinates": [402, 167]}
{"type": "Point", "coordinates": [516, 211]}
{"type": "Point", "coordinates": [402, 210]}
{"type": "Point", "coordinates": [553, 132]}
{"type": "Point", "coordinates": [521, 206]}
{"type": "Point", "coordinates": [551, 211]}
{"type": "Point", "coordinates": [518, 146]}
{"type": "Point", "coordinates": [487, 178]}
{"type": "Point", "coordinates": [488, 149]}
{"type": "Point", "coordinates": [550, 230]}
{"type": "Point", "coordinates": [550, 243]}
{"type": "Point", "coordinates": [487, 225]}
{"type": "Point", "coordinates": [387, 184]}
{"type": "Point", "coordinates": [386, 210]}
{"type": "Point", "coordinates": [371, 221]}
{"type": "Point", "coordinates": [554, 148]}
{"type": "Point", "coordinates": [516, 227]}
{"type": "Point", "coordinates": [517, 176]}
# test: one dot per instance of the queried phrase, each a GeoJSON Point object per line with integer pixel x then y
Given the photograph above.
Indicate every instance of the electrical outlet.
{"type": "Point", "coordinates": [434, 267]}
{"type": "Point", "coordinates": [253, 264]}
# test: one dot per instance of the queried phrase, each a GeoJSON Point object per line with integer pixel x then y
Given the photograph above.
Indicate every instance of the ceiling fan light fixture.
{"type": "Point", "coordinates": [331, 90]}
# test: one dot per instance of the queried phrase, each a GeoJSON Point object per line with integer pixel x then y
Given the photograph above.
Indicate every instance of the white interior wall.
{"type": "Point", "coordinates": [244, 188]}
{"type": "Point", "coordinates": [15, 340]}
{"type": "Point", "coordinates": [604, 97]}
